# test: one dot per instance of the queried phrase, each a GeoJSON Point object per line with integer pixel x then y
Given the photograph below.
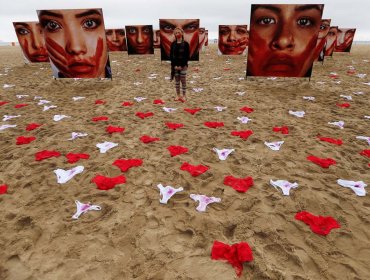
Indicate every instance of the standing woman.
{"type": "Point", "coordinates": [179, 56]}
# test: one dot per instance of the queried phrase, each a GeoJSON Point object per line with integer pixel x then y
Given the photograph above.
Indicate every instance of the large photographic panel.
{"type": "Point", "coordinates": [202, 37]}
{"type": "Point", "coordinates": [31, 39]}
{"type": "Point", "coordinates": [344, 39]}
{"type": "Point", "coordinates": [321, 40]}
{"type": "Point", "coordinates": [76, 43]}
{"type": "Point", "coordinates": [331, 40]}
{"type": "Point", "coordinates": [282, 39]}
{"type": "Point", "coordinates": [139, 39]}
{"type": "Point", "coordinates": [116, 40]}
{"type": "Point", "coordinates": [191, 35]}
{"type": "Point", "coordinates": [232, 39]}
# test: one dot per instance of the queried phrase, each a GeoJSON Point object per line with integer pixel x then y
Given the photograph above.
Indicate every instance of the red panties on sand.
{"type": "Point", "coordinates": [97, 119]}
{"type": "Point", "coordinates": [337, 142]}
{"type": "Point", "coordinates": [318, 224]}
{"type": "Point", "coordinates": [177, 150]}
{"type": "Point", "coordinates": [106, 183]}
{"type": "Point", "coordinates": [239, 184]}
{"type": "Point", "coordinates": [344, 105]}
{"type": "Point", "coordinates": [246, 109]}
{"type": "Point", "coordinates": [214, 124]}
{"type": "Point", "coordinates": [192, 111]}
{"type": "Point", "coordinates": [158, 101]}
{"type": "Point", "coordinates": [72, 158]}
{"type": "Point", "coordinates": [32, 126]}
{"type": "Point", "coordinates": [242, 134]}
{"type": "Point", "coordinates": [365, 153]}
{"type": "Point", "coordinates": [142, 115]}
{"type": "Point", "coordinates": [194, 170]}
{"type": "Point", "coordinates": [323, 162]}
{"type": "Point", "coordinates": [112, 129]}
{"type": "Point", "coordinates": [174, 126]}
{"type": "Point", "coordinates": [235, 254]}
{"type": "Point", "coordinates": [126, 164]}
{"type": "Point", "coordinates": [21, 140]}
{"type": "Point", "coordinates": [46, 154]}
{"type": "Point", "coordinates": [126, 104]}
{"type": "Point", "coordinates": [3, 189]}
{"type": "Point", "coordinates": [147, 139]}
{"type": "Point", "coordinates": [20, 105]}
{"type": "Point", "coordinates": [283, 129]}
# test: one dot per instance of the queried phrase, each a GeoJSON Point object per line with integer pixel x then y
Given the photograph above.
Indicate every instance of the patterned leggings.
{"type": "Point", "coordinates": [180, 75]}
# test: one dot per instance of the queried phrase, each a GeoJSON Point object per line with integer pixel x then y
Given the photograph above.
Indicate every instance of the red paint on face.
{"type": "Point", "coordinates": [344, 40]}
{"type": "Point", "coordinates": [70, 66]}
{"type": "Point", "coordinates": [116, 40]}
{"type": "Point", "coordinates": [76, 41]}
{"type": "Point", "coordinates": [140, 39]}
{"type": "Point", "coordinates": [233, 39]}
{"type": "Point", "coordinates": [194, 43]}
{"type": "Point", "coordinates": [321, 40]}
{"type": "Point", "coordinates": [331, 40]}
{"type": "Point", "coordinates": [283, 39]}
{"type": "Point", "coordinates": [31, 40]}
{"type": "Point", "coordinates": [99, 51]}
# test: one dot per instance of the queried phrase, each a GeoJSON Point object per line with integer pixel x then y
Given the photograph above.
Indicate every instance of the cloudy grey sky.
{"type": "Point", "coordinates": [118, 13]}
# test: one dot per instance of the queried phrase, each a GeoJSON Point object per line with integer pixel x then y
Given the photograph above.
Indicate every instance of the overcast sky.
{"type": "Point", "coordinates": [118, 13]}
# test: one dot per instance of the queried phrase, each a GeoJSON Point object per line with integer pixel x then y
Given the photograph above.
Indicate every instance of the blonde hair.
{"type": "Point", "coordinates": [181, 31]}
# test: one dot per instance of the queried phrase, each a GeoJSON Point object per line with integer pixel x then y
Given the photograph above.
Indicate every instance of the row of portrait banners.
{"type": "Point", "coordinates": [284, 40]}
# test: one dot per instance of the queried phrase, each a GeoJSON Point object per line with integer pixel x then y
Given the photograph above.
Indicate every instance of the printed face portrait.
{"type": "Point", "coordinates": [76, 42]}
{"type": "Point", "coordinates": [191, 35]}
{"type": "Point", "coordinates": [344, 39]}
{"type": "Point", "coordinates": [321, 40]}
{"type": "Point", "coordinates": [283, 39]}
{"type": "Point", "coordinates": [232, 39]}
{"type": "Point", "coordinates": [139, 39]}
{"type": "Point", "coordinates": [116, 40]}
{"type": "Point", "coordinates": [31, 40]}
{"type": "Point", "coordinates": [331, 40]}
{"type": "Point", "coordinates": [157, 39]}
{"type": "Point", "coordinates": [206, 40]}
{"type": "Point", "coordinates": [202, 37]}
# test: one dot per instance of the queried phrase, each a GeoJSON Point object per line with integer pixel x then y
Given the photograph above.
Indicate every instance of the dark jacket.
{"type": "Point", "coordinates": [179, 55]}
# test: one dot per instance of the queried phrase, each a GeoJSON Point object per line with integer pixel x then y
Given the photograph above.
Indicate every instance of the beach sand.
{"type": "Point", "coordinates": [136, 237]}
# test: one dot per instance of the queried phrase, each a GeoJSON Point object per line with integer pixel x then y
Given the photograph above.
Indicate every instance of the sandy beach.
{"type": "Point", "coordinates": [134, 236]}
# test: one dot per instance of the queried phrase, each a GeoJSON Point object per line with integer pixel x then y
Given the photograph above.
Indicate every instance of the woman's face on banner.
{"type": "Point", "coordinates": [202, 37]}
{"type": "Point", "coordinates": [116, 39]}
{"type": "Point", "coordinates": [233, 39]}
{"type": "Point", "coordinates": [75, 40]}
{"type": "Point", "coordinates": [344, 39]}
{"type": "Point", "coordinates": [191, 33]}
{"type": "Point", "coordinates": [157, 38]}
{"type": "Point", "coordinates": [283, 39]}
{"type": "Point", "coordinates": [331, 39]}
{"type": "Point", "coordinates": [324, 29]}
{"type": "Point", "coordinates": [31, 40]}
{"type": "Point", "coordinates": [140, 38]}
